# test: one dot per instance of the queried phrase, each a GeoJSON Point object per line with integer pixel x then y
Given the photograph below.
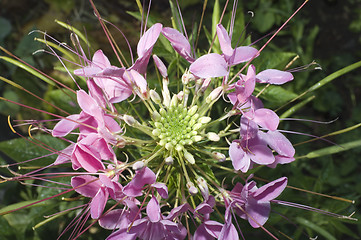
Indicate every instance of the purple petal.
{"type": "Point", "coordinates": [261, 154]}
{"type": "Point", "coordinates": [278, 142]}
{"type": "Point", "coordinates": [242, 54]}
{"type": "Point", "coordinates": [141, 178]}
{"type": "Point", "coordinates": [91, 185]}
{"type": "Point", "coordinates": [98, 203]}
{"type": "Point", "coordinates": [274, 76]}
{"type": "Point", "coordinates": [122, 234]}
{"type": "Point", "coordinates": [148, 40]}
{"type": "Point", "coordinates": [153, 210]}
{"type": "Point", "coordinates": [266, 118]}
{"type": "Point", "coordinates": [224, 40]}
{"type": "Point", "coordinates": [271, 190]}
{"type": "Point", "coordinates": [209, 65]}
{"type": "Point", "coordinates": [213, 228]}
{"type": "Point", "coordinates": [65, 126]}
{"type": "Point", "coordinates": [115, 219]}
{"type": "Point", "coordinates": [258, 212]}
{"type": "Point", "coordinates": [178, 42]}
{"type": "Point", "coordinates": [281, 160]}
{"type": "Point", "coordinates": [240, 160]}
{"type": "Point", "coordinates": [64, 155]}
{"type": "Point", "coordinates": [162, 189]}
{"type": "Point", "coordinates": [178, 210]}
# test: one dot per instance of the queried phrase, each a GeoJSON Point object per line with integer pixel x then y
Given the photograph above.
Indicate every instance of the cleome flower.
{"type": "Point", "coordinates": [149, 166]}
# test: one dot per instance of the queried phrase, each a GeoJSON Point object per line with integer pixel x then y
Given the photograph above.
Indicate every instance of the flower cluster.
{"type": "Point", "coordinates": [169, 189]}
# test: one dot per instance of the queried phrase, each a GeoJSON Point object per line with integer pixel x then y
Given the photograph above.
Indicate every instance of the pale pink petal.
{"type": "Point", "coordinates": [240, 160]}
{"type": "Point", "coordinates": [224, 40]}
{"type": "Point", "coordinates": [87, 103]}
{"type": "Point", "coordinates": [100, 60]}
{"type": "Point", "coordinates": [153, 210]}
{"type": "Point", "coordinates": [266, 118]}
{"type": "Point", "coordinates": [209, 65]}
{"type": "Point", "coordinates": [278, 142]}
{"type": "Point", "coordinates": [88, 71]}
{"type": "Point", "coordinates": [271, 190]}
{"type": "Point", "coordinates": [261, 154]}
{"type": "Point", "coordinates": [65, 126]}
{"type": "Point", "coordinates": [178, 42]}
{"type": "Point", "coordinates": [160, 65]}
{"type": "Point", "coordinates": [242, 54]}
{"type": "Point", "coordinates": [64, 155]}
{"type": "Point", "coordinates": [274, 76]}
{"type": "Point", "coordinates": [148, 40]}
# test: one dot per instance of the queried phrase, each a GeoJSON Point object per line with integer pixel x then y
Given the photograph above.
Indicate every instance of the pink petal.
{"type": "Point", "coordinates": [242, 54]}
{"type": "Point", "coordinates": [65, 126]}
{"type": "Point", "coordinates": [87, 103]}
{"type": "Point", "coordinates": [141, 178]}
{"type": "Point", "coordinates": [278, 142]}
{"type": "Point", "coordinates": [91, 185]}
{"type": "Point", "coordinates": [261, 154]}
{"type": "Point", "coordinates": [88, 71]}
{"type": "Point", "coordinates": [98, 203]}
{"type": "Point", "coordinates": [178, 42]}
{"type": "Point", "coordinates": [153, 210]}
{"type": "Point", "coordinates": [148, 40]}
{"type": "Point", "coordinates": [209, 65]}
{"type": "Point", "coordinates": [160, 65]}
{"type": "Point", "coordinates": [100, 60]}
{"type": "Point", "coordinates": [274, 76]}
{"type": "Point", "coordinates": [224, 40]}
{"type": "Point", "coordinates": [271, 190]}
{"type": "Point", "coordinates": [266, 118]}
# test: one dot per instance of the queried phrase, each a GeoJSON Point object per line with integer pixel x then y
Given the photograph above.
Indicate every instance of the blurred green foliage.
{"type": "Point", "coordinates": [326, 31]}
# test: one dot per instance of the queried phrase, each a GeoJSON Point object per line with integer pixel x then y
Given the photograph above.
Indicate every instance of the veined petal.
{"type": "Point", "coordinates": [209, 65]}
{"type": "Point", "coordinates": [91, 185]}
{"type": "Point", "coordinates": [153, 210]}
{"type": "Point", "coordinates": [100, 60]}
{"type": "Point", "coordinates": [271, 190]}
{"type": "Point", "coordinates": [266, 118]}
{"type": "Point", "coordinates": [278, 142]}
{"type": "Point", "coordinates": [274, 76]}
{"type": "Point", "coordinates": [261, 154]}
{"type": "Point", "coordinates": [65, 126]}
{"type": "Point", "coordinates": [258, 212]}
{"type": "Point", "coordinates": [179, 42]}
{"type": "Point", "coordinates": [98, 203]}
{"type": "Point", "coordinates": [224, 40]}
{"type": "Point", "coordinates": [241, 54]}
{"type": "Point", "coordinates": [148, 40]}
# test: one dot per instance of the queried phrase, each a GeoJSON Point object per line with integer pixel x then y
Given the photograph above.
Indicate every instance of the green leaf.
{"type": "Point", "coordinates": [275, 95]}
{"type": "Point", "coordinates": [276, 60]}
{"type": "Point", "coordinates": [28, 69]}
{"type": "Point", "coordinates": [334, 149]}
{"type": "Point", "coordinates": [316, 228]}
{"type": "Point", "coordinates": [21, 150]}
{"type": "Point", "coordinates": [342, 228]}
{"type": "Point", "coordinates": [64, 99]}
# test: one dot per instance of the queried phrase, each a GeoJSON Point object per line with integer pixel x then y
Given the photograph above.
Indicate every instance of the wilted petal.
{"type": "Point", "coordinates": [274, 76]}
{"type": "Point", "coordinates": [271, 190]}
{"type": "Point", "coordinates": [209, 65]}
